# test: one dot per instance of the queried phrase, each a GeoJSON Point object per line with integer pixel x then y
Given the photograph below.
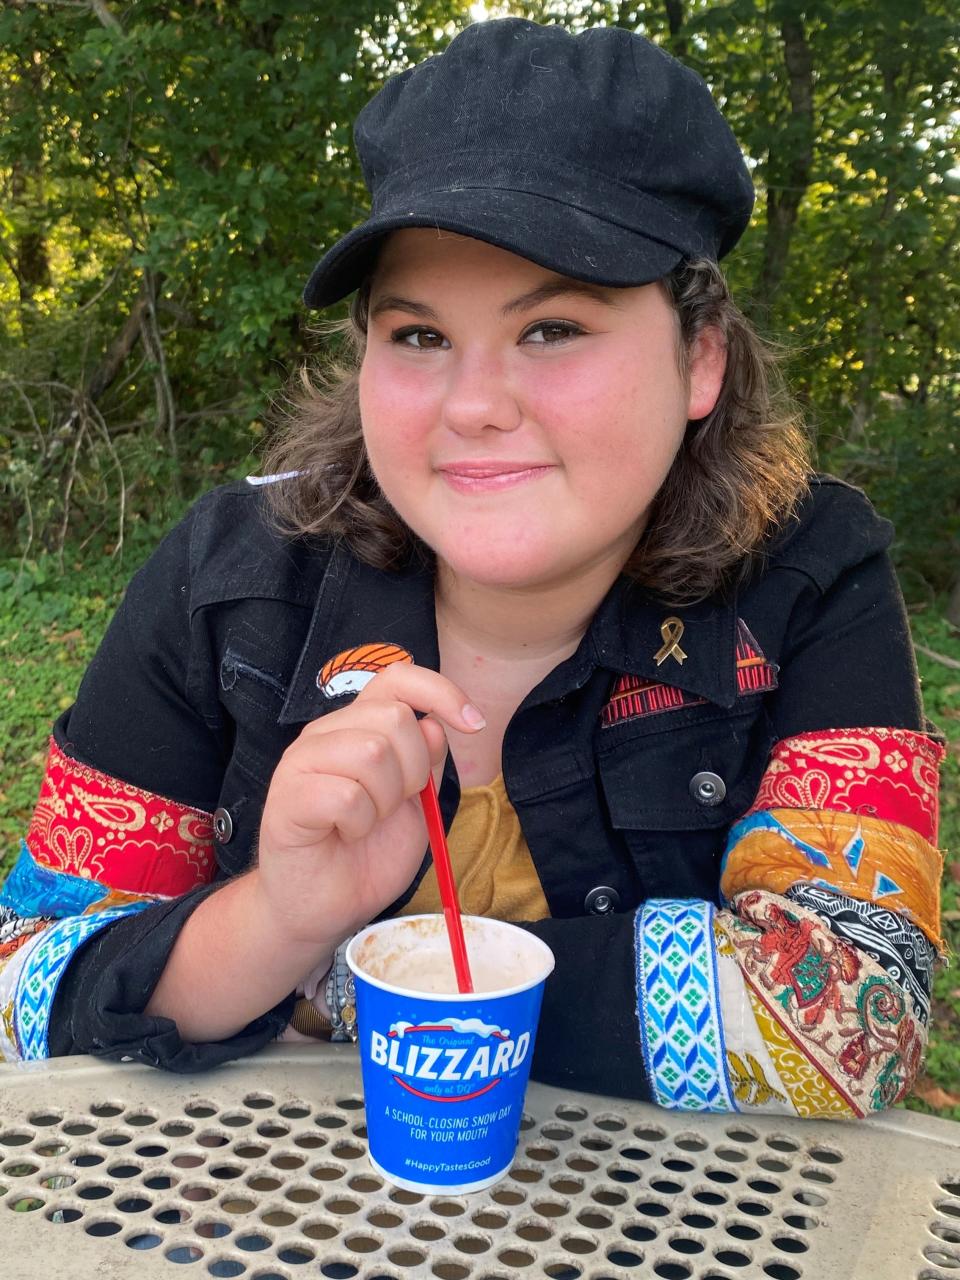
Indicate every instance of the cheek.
{"type": "Point", "coordinates": [572, 402]}
{"type": "Point", "coordinates": [394, 408]}
{"type": "Point", "coordinates": [633, 402]}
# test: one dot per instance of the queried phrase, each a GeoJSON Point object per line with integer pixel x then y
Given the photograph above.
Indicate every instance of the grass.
{"type": "Point", "coordinates": [51, 624]}
{"type": "Point", "coordinates": [938, 1091]}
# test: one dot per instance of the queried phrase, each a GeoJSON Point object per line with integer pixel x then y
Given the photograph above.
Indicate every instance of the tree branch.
{"type": "Point", "coordinates": [153, 343]}
{"type": "Point", "coordinates": [105, 374]}
{"type": "Point", "coordinates": [106, 18]}
{"type": "Point", "coordinates": [938, 657]}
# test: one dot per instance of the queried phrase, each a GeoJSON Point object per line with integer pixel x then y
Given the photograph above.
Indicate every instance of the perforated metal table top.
{"type": "Point", "coordinates": [259, 1171]}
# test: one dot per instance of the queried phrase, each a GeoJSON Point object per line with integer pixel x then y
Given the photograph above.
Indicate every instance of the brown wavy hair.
{"type": "Point", "coordinates": [737, 478]}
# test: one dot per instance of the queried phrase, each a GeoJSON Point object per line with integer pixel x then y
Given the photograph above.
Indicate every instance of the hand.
{"type": "Point", "coordinates": [342, 833]}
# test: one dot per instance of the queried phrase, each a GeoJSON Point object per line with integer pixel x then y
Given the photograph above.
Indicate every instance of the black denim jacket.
{"type": "Point", "coordinates": [209, 671]}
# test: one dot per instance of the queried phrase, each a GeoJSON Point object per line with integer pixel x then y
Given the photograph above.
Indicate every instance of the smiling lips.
{"type": "Point", "coordinates": [488, 477]}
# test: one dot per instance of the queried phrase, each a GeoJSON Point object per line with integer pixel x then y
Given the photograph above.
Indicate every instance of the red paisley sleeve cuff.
{"type": "Point", "coordinates": [890, 774]}
{"type": "Point", "coordinates": [93, 826]}
{"type": "Point", "coordinates": [97, 851]}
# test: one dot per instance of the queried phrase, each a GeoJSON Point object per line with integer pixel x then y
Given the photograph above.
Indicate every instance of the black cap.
{"type": "Point", "coordinates": [595, 155]}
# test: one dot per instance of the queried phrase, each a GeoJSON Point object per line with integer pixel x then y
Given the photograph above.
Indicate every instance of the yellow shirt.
{"type": "Point", "coordinates": [492, 866]}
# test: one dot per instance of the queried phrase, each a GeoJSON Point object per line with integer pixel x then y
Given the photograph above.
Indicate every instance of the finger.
{"type": "Point", "coordinates": [312, 807]}
{"type": "Point", "coordinates": [426, 691]}
{"type": "Point", "coordinates": [384, 718]}
{"type": "Point", "coordinates": [387, 766]}
{"type": "Point", "coordinates": [436, 742]}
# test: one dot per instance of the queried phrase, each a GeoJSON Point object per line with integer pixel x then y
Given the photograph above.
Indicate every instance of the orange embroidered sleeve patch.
{"type": "Point", "coordinates": [865, 858]}
{"type": "Point", "coordinates": [91, 825]}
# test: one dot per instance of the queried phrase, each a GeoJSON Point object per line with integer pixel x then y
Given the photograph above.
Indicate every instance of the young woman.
{"type": "Point", "coordinates": [549, 534]}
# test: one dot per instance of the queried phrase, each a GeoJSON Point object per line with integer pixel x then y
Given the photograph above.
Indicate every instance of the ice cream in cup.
{"type": "Point", "coordinates": [445, 1073]}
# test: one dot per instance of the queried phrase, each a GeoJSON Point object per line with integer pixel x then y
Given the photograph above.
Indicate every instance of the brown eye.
{"type": "Point", "coordinates": [551, 332]}
{"type": "Point", "coordinates": [419, 339]}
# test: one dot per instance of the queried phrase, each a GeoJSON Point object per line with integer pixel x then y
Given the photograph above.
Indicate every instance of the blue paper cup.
{"type": "Point", "coordinates": [444, 1074]}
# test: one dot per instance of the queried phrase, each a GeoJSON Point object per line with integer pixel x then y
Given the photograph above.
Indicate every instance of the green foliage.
{"type": "Point", "coordinates": [869, 303]}
{"type": "Point", "coordinates": [198, 158]}
{"type": "Point", "coordinates": [179, 169]}
{"type": "Point", "coordinates": [909, 463]}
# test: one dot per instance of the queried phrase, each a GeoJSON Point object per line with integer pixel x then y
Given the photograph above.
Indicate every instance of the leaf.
{"type": "Point", "coordinates": [750, 1085]}
{"type": "Point", "coordinates": [933, 1095]}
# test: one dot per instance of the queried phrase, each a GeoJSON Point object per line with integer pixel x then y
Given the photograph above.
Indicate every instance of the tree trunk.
{"type": "Point", "coordinates": [953, 606]}
{"type": "Point", "coordinates": [30, 264]}
{"type": "Point", "coordinates": [789, 164]}
{"type": "Point", "coordinates": [871, 335]}
{"type": "Point", "coordinates": [675, 16]}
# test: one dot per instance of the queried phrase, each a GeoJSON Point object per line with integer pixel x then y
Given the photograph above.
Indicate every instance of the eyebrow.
{"type": "Point", "coordinates": [525, 302]}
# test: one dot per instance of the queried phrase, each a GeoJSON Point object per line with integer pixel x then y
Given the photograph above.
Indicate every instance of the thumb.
{"type": "Point", "coordinates": [437, 746]}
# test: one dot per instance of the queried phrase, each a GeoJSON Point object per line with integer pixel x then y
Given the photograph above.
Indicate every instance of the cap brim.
{"type": "Point", "coordinates": [556, 236]}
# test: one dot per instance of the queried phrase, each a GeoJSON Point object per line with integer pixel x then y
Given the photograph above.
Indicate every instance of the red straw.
{"type": "Point", "coordinates": [447, 885]}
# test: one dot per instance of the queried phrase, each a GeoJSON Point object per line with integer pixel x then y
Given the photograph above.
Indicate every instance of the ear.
{"type": "Point", "coordinates": [707, 365]}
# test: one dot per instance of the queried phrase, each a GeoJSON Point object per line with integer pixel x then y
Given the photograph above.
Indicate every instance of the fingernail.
{"type": "Point", "coordinates": [473, 716]}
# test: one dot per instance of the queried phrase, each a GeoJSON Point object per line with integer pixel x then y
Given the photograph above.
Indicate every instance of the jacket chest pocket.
{"type": "Point", "coordinates": [253, 677]}
{"type": "Point", "coordinates": [674, 793]}
{"type": "Point", "coordinates": [253, 695]}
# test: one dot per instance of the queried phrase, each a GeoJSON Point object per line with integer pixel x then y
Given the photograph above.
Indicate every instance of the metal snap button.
{"type": "Point", "coordinates": [601, 900]}
{"type": "Point", "coordinates": [708, 788]}
{"type": "Point", "coordinates": [222, 826]}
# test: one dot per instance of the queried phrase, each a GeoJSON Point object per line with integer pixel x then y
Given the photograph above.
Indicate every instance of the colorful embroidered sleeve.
{"type": "Point", "coordinates": [811, 994]}
{"type": "Point", "coordinates": [854, 811]}
{"type": "Point", "coordinates": [97, 850]}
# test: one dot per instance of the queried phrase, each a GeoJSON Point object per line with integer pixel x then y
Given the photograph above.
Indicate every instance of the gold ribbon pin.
{"type": "Point", "coordinates": [671, 630]}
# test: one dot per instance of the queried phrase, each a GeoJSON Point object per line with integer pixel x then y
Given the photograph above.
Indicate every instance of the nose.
{"type": "Point", "coordinates": [479, 395]}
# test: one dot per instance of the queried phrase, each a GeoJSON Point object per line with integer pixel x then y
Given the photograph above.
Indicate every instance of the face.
{"type": "Point", "coordinates": [518, 421]}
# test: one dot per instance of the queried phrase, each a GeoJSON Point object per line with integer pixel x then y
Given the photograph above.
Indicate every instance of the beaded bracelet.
{"type": "Point", "coordinates": [341, 997]}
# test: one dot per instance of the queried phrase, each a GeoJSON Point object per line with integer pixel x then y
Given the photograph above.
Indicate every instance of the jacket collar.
{"type": "Point", "coordinates": [632, 627]}
{"type": "Point", "coordinates": [360, 605]}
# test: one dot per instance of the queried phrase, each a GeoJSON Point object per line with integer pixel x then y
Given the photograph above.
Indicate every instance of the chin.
{"type": "Point", "coordinates": [504, 567]}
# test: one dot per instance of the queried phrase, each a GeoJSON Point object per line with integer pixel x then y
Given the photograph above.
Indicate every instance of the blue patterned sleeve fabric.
{"type": "Point", "coordinates": [44, 918]}
{"type": "Point", "coordinates": [32, 890]}
{"type": "Point", "coordinates": [678, 1003]}
{"type": "Point", "coordinates": [42, 966]}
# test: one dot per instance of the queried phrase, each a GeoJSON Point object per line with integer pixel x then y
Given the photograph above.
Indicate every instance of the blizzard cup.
{"type": "Point", "coordinates": [444, 1074]}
